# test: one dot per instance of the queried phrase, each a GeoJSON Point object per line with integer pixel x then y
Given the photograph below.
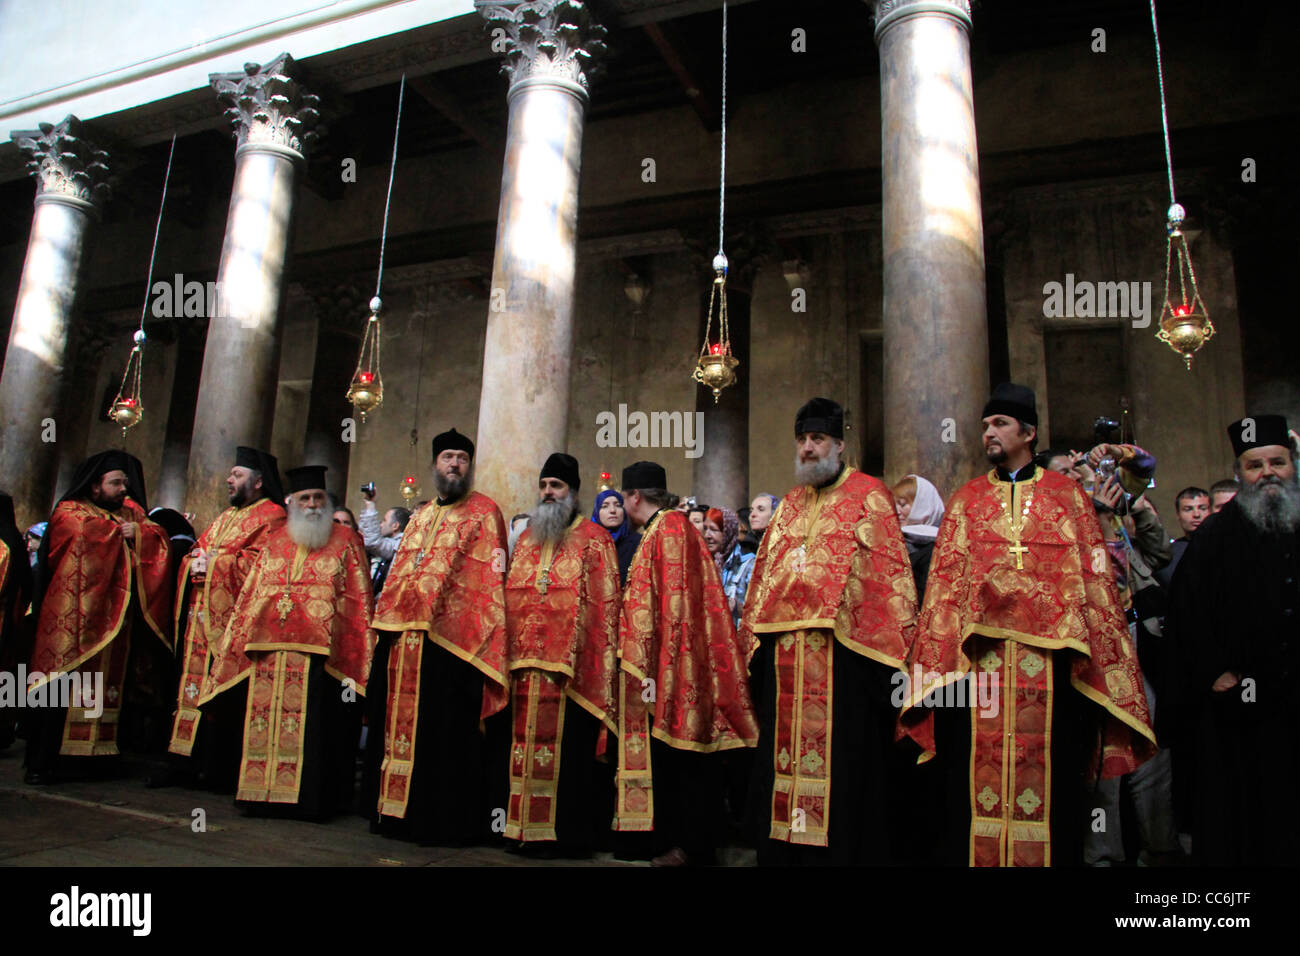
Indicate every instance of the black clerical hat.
{"type": "Point", "coordinates": [564, 467]}
{"type": "Point", "coordinates": [264, 462]}
{"type": "Point", "coordinates": [644, 474]}
{"type": "Point", "coordinates": [1256, 431]}
{"type": "Point", "coordinates": [1014, 400]}
{"type": "Point", "coordinates": [98, 465]}
{"type": "Point", "coordinates": [306, 478]}
{"type": "Point", "coordinates": [452, 440]}
{"type": "Point", "coordinates": [820, 415]}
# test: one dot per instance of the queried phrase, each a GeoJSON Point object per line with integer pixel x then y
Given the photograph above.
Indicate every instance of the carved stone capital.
{"type": "Point", "coordinates": [552, 40]}
{"type": "Point", "coordinates": [890, 12]}
{"type": "Point", "coordinates": [66, 165]}
{"type": "Point", "coordinates": [268, 107]}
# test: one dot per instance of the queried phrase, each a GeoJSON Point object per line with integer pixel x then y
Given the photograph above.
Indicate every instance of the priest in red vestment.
{"type": "Point", "coordinates": [1024, 681]}
{"type": "Point", "coordinates": [683, 694]}
{"type": "Point", "coordinates": [562, 609]}
{"type": "Point", "coordinates": [442, 633]}
{"type": "Point", "coordinates": [102, 589]}
{"type": "Point", "coordinates": [829, 619]}
{"type": "Point", "coordinates": [211, 577]}
{"type": "Point", "coordinates": [299, 633]}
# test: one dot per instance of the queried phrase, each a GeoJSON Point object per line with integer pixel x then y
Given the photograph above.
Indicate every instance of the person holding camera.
{"type": "Point", "coordinates": [381, 538]}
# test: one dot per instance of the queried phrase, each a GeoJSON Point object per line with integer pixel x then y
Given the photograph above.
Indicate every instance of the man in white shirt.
{"type": "Point", "coordinates": [381, 537]}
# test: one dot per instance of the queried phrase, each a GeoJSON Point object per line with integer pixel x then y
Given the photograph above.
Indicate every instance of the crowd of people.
{"type": "Point", "coordinates": [1031, 672]}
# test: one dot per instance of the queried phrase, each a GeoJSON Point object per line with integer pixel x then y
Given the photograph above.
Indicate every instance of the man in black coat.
{"type": "Point", "coordinates": [1235, 719]}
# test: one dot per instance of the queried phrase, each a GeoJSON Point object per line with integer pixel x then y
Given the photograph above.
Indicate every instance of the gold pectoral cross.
{"type": "Point", "coordinates": [543, 580]}
{"type": "Point", "coordinates": [1019, 550]}
{"type": "Point", "coordinates": [284, 606]}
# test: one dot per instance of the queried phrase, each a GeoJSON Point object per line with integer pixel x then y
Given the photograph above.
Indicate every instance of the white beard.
{"type": "Point", "coordinates": [550, 519]}
{"type": "Point", "coordinates": [1271, 511]}
{"type": "Point", "coordinates": [816, 472]}
{"type": "Point", "coordinates": [309, 526]}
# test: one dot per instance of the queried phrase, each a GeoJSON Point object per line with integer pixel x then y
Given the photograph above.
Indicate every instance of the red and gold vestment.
{"type": "Point", "coordinates": [1020, 571]}
{"type": "Point", "coordinates": [84, 622]}
{"type": "Point", "coordinates": [832, 570]}
{"type": "Point", "coordinates": [232, 543]}
{"type": "Point", "coordinates": [562, 612]}
{"type": "Point", "coordinates": [295, 604]}
{"type": "Point", "coordinates": [685, 680]}
{"type": "Point", "coordinates": [446, 585]}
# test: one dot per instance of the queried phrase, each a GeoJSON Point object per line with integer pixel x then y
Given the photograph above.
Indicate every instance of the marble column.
{"type": "Point", "coordinates": [549, 46]}
{"type": "Point", "coordinates": [935, 313]}
{"type": "Point", "coordinates": [70, 177]}
{"type": "Point", "coordinates": [174, 474]}
{"type": "Point", "coordinates": [273, 119]}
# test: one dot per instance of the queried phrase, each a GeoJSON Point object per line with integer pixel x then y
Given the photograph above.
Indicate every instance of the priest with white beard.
{"type": "Point", "coordinates": [300, 635]}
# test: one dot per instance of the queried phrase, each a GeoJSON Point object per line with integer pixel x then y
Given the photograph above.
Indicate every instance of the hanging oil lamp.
{"type": "Point", "coordinates": [366, 390]}
{"type": "Point", "coordinates": [127, 409]}
{"type": "Point", "coordinates": [715, 368]}
{"type": "Point", "coordinates": [1184, 322]}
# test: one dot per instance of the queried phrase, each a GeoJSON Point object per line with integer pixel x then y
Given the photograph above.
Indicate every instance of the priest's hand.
{"type": "Point", "coordinates": [1227, 681]}
{"type": "Point", "coordinates": [199, 566]}
{"type": "Point", "coordinates": [129, 530]}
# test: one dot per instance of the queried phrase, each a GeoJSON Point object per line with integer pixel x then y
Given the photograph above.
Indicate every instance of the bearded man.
{"type": "Point", "coordinates": [1233, 620]}
{"type": "Point", "coordinates": [299, 634]}
{"type": "Point", "coordinates": [211, 577]}
{"type": "Point", "coordinates": [441, 664]}
{"type": "Point", "coordinates": [1020, 595]}
{"type": "Point", "coordinates": [828, 621]}
{"type": "Point", "coordinates": [562, 608]}
{"type": "Point", "coordinates": [102, 585]}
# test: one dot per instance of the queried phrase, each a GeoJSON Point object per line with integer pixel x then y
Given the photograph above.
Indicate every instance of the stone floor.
{"type": "Point", "coordinates": [117, 822]}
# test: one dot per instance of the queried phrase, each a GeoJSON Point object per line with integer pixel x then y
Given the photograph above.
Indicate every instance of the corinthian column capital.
{"type": "Point", "coordinates": [551, 40]}
{"type": "Point", "coordinates": [67, 167]}
{"type": "Point", "coordinates": [268, 107]}
{"type": "Point", "coordinates": [890, 12]}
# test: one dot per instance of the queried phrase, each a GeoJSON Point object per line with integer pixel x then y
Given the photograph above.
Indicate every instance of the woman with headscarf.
{"type": "Point", "coordinates": [722, 534]}
{"type": "Point", "coordinates": [920, 511]}
{"type": "Point", "coordinates": [608, 512]}
{"type": "Point", "coordinates": [34, 535]}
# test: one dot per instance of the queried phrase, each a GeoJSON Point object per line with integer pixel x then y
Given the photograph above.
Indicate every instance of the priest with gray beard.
{"type": "Point", "coordinates": [562, 609]}
{"type": "Point", "coordinates": [1233, 620]}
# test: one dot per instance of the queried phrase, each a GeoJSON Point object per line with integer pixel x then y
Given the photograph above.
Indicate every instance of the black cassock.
{"type": "Point", "coordinates": [1234, 607]}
